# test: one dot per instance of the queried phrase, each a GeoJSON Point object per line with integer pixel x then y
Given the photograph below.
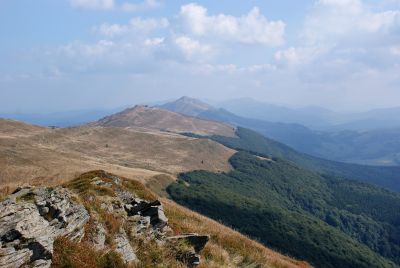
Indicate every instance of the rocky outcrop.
{"type": "Point", "coordinates": [124, 248]}
{"type": "Point", "coordinates": [198, 242]}
{"type": "Point", "coordinates": [30, 220]}
{"type": "Point", "coordinates": [151, 210]}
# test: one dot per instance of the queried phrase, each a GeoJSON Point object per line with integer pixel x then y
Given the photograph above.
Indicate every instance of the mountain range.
{"type": "Point", "coordinates": [373, 147]}
{"type": "Point", "coordinates": [327, 213]}
{"type": "Point", "coordinates": [315, 117]}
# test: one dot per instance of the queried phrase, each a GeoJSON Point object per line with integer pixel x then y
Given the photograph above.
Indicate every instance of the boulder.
{"type": "Point", "coordinates": [197, 241]}
{"type": "Point", "coordinates": [154, 210]}
{"type": "Point", "coordinates": [124, 248]}
{"type": "Point", "coordinates": [31, 219]}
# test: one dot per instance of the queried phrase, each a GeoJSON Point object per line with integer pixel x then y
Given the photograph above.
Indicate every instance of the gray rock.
{"type": "Point", "coordinates": [191, 259]}
{"type": "Point", "coordinates": [197, 241]}
{"type": "Point", "coordinates": [154, 210]}
{"type": "Point", "coordinates": [30, 220]}
{"type": "Point", "coordinates": [99, 236]}
{"type": "Point", "coordinates": [124, 248]}
{"type": "Point", "coordinates": [116, 179]}
{"type": "Point", "coordinates": [99, 182]}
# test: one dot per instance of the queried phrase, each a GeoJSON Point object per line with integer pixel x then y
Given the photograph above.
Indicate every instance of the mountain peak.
{"type": "Point", "coordinates": [188, 106]}
{"type": "Point", "coordinates": [158, 118]}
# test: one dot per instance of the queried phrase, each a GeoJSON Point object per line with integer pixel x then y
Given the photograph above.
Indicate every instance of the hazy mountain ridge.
{"type": "Point", "coordinates": [135, 143]}
{"type": "Point", "coordinates": [374, 147]}
{"type": "Point", "coordinates": [315, 117]}
{"type": "Point", "coordinates": [160, 119]}
{"type": "Point", "coordinates": [188, 106]}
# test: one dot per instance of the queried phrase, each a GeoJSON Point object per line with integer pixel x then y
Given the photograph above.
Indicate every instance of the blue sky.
{"type": "Point", "coordinates": [79, 54]}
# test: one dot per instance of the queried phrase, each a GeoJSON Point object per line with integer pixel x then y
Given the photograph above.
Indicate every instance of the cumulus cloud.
{"type": "Point", "coordinates": [293, 56]}
{"type": "Point", "coordinates": [331, 20]}
{"type": "Point", "coordinates": [148, 4]}
{"type": "Point", "coordinates": [134, 26]}
{"type": "Point", "coordinates": [93, 4]}
{"type": "Point", "coordinates": [154, 41]}
{"type": "Point", "coordinates": [77, 49]}
{"type": "Point", "coordinates": [112, 5]}
{"type": "Point", "coordinates": [252, 28]}
{"type": "Point", "coordinates": [395, 50]}
{"type": "Point", "coordinates": [193, 49]}
{"type": "Point", "coordinates": [344, 31]}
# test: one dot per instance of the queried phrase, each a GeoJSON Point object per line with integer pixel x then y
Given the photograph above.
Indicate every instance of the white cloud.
{"type": "Point", "coordinates": [93, 4]}
{"type": "Point", "coordinates": [112, 29]}
{"type": "Point", "coordinates": [294, 56]}
{"type": "Point", "coordinates": [148, 25]}
{"type": "Point", "coordinates": [332, 20]}
{"type": "Point", "coordinates": [78, 49]}
{"type": "Point", "coordinates": [193, 49]}
{"type": "Point", "coordinates": [113, 5]}
{"type": "Point", "coordinates": [134, 26]}
{"type": "Point", "coordinates": [342, 31]}
{"type": "Point", "coordinates": [395, 50]}
{"type": "Point", "coordinates": [148, 4]}
{"type": "Point", "coordinates": [154, 41]}
{"type": "Point", "coordinates": [252, 28]}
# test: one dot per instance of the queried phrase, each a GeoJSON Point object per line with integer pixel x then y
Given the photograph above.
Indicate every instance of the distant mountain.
{"type": "Point", "coordinates": [375, 147]}
{"type": "Point", "coordinates": [61, 119]}
{"type": "Point", "coordinates": [161, 119]}
{"type": "Point", "coordinates": [312, 116]}
{"type": "Point", "coordinates": [315, 117]}
{"type": "Point", "coordinates": [187, 106]}
{"type": "Point", "coordinates": [370, 120]}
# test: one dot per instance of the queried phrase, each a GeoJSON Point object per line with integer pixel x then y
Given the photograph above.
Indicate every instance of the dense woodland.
{"type": "Point", "coordinates": [327, 221]}
{"type": "Point", "coordinates": [248, 140]}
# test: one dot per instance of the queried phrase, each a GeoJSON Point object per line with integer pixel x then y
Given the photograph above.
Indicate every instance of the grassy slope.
{"type": "Point", "coordinates": [160, 119]}
{"type": "Point", "coordinates": [329, 222]}
{"type": "Point", "coordinates": [388, 177]}
{"type": "Point", "coordinates": [36, 155]}
{"type": "Point", "coordinates": [226, 247]}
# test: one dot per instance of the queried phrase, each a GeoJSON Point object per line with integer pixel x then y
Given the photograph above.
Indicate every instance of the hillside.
{"type": "Point", "coordinates": [373, 147]}
{"type": "Point", "coordinates": [36, 155]}
{"type": "Point", "coordinates": [100, 220]}
{"type": "Point", "coordinates": [160, 119]}
{"type": "Point", "coordinates": [187, 106]}
{"type": "Point", "coordinates": [248, 140]}
{"type": "Point", "coordinates": [327, 221]}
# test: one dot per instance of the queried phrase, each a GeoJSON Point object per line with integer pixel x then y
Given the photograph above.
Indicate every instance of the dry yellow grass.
{"type": "Point", "coordinates": [160, 119]}
{"type": "Point", "coordinates": [35, 155]}
{"type": "Point", "coordinates": [42, 156]}
{"type": "Point", "coordinates": [227, 248]}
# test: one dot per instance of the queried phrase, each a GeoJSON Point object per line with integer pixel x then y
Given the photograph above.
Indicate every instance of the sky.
{"type": "Point", "coordinates": [58, 55]}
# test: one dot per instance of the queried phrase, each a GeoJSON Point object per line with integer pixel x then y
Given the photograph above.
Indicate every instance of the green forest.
{"type": "Point", "coordinates": [328, 221]}
{"type": "Point", "coordinates": [251, 141]}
